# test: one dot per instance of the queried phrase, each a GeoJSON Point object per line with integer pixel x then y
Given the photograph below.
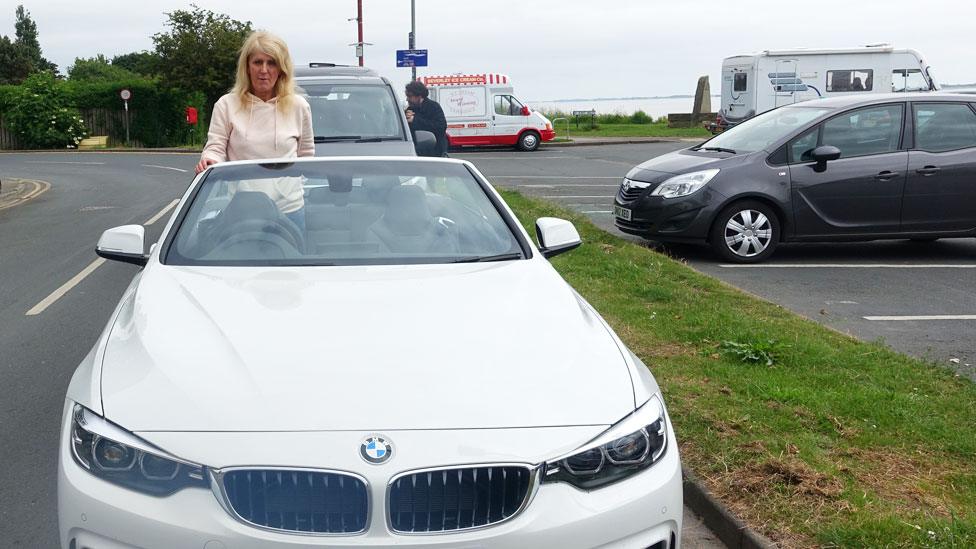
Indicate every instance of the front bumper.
{"type": "Point", "coordinates": [548, 135]}
{"type": "Point", "coordinates": [686, 218]}
{"type": "Point", "coordinates": [641, 511]}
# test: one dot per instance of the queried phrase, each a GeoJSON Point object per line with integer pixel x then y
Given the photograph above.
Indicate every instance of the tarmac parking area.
{"type": "Point", "coordinates": [917, 297]}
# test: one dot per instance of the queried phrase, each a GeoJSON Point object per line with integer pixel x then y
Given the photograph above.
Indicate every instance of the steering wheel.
{"type": "Point", "coordinates": [258, 229]}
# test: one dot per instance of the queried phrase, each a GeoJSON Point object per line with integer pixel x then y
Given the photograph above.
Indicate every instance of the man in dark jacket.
{"type": "Point", "coordinates": [426, 114]}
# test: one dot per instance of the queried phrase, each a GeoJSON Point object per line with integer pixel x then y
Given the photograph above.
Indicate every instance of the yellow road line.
{"type": "Point", "coordinates": [40, 187]}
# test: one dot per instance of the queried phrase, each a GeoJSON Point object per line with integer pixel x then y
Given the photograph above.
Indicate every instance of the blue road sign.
{"type": "Point", "coordinates": [411, 58]}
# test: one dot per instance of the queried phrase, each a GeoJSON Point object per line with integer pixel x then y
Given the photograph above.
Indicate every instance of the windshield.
{"type": "Point", "coordinates": [341, 213]}
{"type": "Point", "coordinates": [351, 112]}
{"type": "Point", "coordinates": [760, 132]}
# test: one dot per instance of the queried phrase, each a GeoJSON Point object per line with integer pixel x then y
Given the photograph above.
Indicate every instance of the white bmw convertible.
{"type": "Point", "coordinates": [359, 352]}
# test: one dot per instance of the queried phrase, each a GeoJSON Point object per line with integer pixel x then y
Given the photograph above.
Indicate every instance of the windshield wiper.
{"type": "Point", "coordinates": [483, 258]}
{"type": "Point", "coordinates": [719, 149]}
{"type": "Point", "coordinates": [334, 138]}
{"type": "Point", "coordinates": [377, 139]}
{"type": "Point", "coordinates": [356, 138]}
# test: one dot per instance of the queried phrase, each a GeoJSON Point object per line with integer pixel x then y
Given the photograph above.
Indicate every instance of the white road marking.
{"type": "Point", "coordinates": [923, 317]}
{"type": "Point", "coordinates": [162, 212]}
{"type": "Point", "coordinates": [164, 168]}
{"type": "Point", "coordinates": [57, 294]}
{"type": "Point", "coordinates": [75, 280]}
{"type": "Point", "coordinates": [847, 266]}
{"type": "Point", "coordinates": [59, 162]}
{"type": "Point", "coordinates": [552, 177]}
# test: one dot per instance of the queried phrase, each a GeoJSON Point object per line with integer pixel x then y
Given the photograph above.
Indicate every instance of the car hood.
{"type": "Point", "coordinates": [379, 148]}
{"type": "Point", "coordinates": [505, 344]}
{"type": "Point", "coordinates": [682, 161]}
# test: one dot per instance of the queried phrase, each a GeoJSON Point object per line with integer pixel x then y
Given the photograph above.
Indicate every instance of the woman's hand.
{"type": "Point", "coordinates": [204, 164]}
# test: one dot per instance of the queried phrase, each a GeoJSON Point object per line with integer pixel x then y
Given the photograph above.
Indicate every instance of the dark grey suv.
{"type": "Point", "coordinates": [355, 113]}
{"type": "Point", "coordinates": [845, 168]}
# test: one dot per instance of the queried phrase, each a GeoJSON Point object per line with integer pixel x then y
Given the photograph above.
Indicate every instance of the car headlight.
{"type": "Point", "coordinates": [113, 454]}
{"type": "Point", "coordinates": [633, 444]}
{"type": "Point", "coordinates": [684, 184]}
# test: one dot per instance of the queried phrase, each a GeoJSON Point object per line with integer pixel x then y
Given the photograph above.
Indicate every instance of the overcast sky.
{"type": "Point", "coordinates": [552, 49]}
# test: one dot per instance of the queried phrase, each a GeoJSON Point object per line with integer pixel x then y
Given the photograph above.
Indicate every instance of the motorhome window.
{"type": "Point", "coordinates": [740, 82]}
{"type": "Point", "coordinates": [944, 127]}
{"type": "Point", "coordinates": [908, 80]}
{"type": "Point", "coordinates": [854, 80]}
{"type": "Point", "coordinates": [872, 130]}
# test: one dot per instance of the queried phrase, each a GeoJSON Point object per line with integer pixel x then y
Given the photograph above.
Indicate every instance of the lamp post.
{"type": "Point", "coordinates": [360, 53]}
{"type": "Point", "coordinates": [413, 35]}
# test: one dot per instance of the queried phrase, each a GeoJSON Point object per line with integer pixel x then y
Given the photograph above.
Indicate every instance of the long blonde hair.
{"type": "Point", "coordinates": [269, 44]}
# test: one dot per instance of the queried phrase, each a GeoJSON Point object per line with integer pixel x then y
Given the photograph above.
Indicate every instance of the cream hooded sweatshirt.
{"type": "Point", "coordinates": [259, 129]}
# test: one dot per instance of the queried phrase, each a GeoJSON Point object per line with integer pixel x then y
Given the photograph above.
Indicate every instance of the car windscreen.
{"type": "Point", "coordinates": [367, 212]}
{"type": "Point", "coordinates": [760, 132]}
{"type": "Point", "coordinates": [352, 112]}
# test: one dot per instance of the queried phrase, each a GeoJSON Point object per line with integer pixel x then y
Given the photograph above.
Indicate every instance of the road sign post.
{"type": "Point", "coordinates": [125, 94]}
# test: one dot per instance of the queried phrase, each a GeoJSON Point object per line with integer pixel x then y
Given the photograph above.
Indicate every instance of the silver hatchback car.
{"type": "Point", "coordinates": [355, 113]}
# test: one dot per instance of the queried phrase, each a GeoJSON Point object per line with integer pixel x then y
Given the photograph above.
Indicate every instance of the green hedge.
{"type": "Point", "coordinates": [157, 113]}
{"type": "Point", "coordinates": [157, 117]}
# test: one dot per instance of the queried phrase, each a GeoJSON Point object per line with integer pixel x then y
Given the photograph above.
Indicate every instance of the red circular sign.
{"type": "Point", "coordinates": [125, 95]}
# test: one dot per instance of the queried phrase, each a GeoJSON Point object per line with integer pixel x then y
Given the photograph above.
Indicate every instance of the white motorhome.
{"type": "Point", "coordinates": [481, 109]}
{"type": "Point", "coordinates": [755, 83]}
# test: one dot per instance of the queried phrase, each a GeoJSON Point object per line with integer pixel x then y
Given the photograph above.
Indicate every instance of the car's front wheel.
{"type": "Point", "coordinates": [528, 141]}
{"type": "Point", "coordinates": [745, 232]}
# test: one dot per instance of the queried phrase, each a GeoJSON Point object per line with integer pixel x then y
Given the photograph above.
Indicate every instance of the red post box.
{"type": "Point", "coordinates": [191, 116]}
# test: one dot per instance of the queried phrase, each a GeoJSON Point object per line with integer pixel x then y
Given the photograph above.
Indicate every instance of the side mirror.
{"type": "Point", "coordinates": [556, 236]}
{"type": "Point", "coordinates": [824, 154]}
{"type": "Point", "coordinates": [126, 243]}
{"type": "Point", "coordinates": [425, 143]}
{"type": "Point", "coordinates": [525, 111]}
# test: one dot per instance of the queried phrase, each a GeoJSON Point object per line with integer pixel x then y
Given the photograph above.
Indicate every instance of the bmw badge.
{"type": "Point", "coordinates": [376, 449]}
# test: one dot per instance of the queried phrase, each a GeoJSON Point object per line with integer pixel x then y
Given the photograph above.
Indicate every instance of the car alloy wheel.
{"type": "Point", "coordinates": [745, 232]}
{"type": "Point", "coordinates": [529, 141]}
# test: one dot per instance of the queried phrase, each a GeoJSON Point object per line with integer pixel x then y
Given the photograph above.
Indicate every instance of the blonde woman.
{"type": "Point", "coordinates": [263, 117]}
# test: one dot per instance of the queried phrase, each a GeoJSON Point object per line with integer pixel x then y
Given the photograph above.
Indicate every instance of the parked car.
{"type": "Point", "coordinates": [845, 168]}
{"type": "Point", "coordinates": [408, 370]}
{"type": "Point", "coordinates": [355, 113]}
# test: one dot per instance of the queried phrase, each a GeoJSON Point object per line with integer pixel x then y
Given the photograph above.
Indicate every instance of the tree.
{"type": "Point", "coordinates": [145, 63]}
{"type": "Point", "coordinates": [200, 51]}
{"type": "Point", "coordinates": [26, 32]}
{"type": "Point", "coordinates": [98, 69]}
{"type": "Point", "coordinates": [15, 64]}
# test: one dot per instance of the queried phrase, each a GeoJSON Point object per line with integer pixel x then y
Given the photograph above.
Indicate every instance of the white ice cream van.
{"type": "Point", "coordinates": [481, 109]}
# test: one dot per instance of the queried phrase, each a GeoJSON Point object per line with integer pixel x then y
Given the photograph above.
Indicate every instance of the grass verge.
{"type": "Point", "coordinates": [810, 436]}
{"type": "Point", "coordinates": [629, 130]}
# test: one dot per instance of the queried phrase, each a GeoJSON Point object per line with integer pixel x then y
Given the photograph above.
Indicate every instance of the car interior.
{"type": "Point", "coordinates": [374, 217]}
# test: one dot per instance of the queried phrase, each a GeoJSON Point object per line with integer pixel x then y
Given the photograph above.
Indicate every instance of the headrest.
{"type": "Point", "coordinates": [378, 185]}
{"type": "Point", "coordinates": [249, 205]}
{"type": "Point", "coordinates": [407, 213]}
